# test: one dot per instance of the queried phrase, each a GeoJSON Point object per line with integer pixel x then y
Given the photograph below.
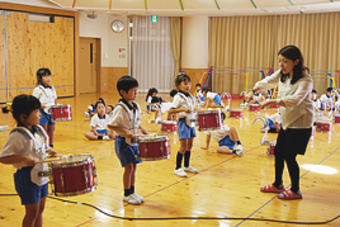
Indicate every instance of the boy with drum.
{"type": "Point", "coordinates": [125, 121]}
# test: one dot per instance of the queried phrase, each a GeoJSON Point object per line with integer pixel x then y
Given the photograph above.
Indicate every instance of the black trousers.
{"type": "Point", "coordinates": [290, 143]}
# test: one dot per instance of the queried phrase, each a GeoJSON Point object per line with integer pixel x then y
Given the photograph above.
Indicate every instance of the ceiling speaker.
{"type": "Point", "coordinates": [92, 15]}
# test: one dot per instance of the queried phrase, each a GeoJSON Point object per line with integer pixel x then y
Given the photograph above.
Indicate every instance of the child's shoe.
{"type": "Point", "coordinates": [180, 172]}
{"type": "Point", "coordinates": [190, 169]}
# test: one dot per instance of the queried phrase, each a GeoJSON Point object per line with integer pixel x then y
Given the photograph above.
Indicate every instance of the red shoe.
{"type": "Point", "coordinates": [272, 189]}
{"type": "Point", "coordinates": [289, 195]}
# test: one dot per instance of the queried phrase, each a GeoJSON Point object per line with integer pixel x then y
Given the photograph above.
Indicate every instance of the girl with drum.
{"type": "Point", "coordinates": [295, 86]}
{"type": "Point", "coordinates": [184, 106]}
{"type": "Point", "coordinates": [27, 145]}
{"type": "Point", "coordinates": [47, 96]}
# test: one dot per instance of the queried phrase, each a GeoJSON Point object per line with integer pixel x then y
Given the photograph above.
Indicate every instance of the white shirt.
{"type": "Point", "coordinates": [211, 95]}
{"type": "Point", "coordinates": [219, 134]}
{"type": "Point", "coordinates": [100, 123]}
{"type": "Point", "coordinates": [316, 104]}
{"type": "Point", "coordinates": [165, 106]}
{"type": "Point", "coordinates": [149, 99]}
{"type": "Point", "coordinates": [22, 141]}
{"type": "Point", "coordinates": [46, 96]}
{"type": "Point", "coordinates": [183, 101]}
{"type": "Point", "coordinates": [199, 94]}
{"type": "Point", "coordinates": [298, 112]}
{"type": "Point", "coordinates": [257, 97]}
{"type": "Point", "coordinates": [123, 117]}
{"type": "Point", "coordinates": [275, 118]}
{"type": "Point", "coordinates": [326, 100]}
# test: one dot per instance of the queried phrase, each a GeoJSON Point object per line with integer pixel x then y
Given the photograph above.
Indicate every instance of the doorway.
{"type": "Point", "coordinates": [89, 61]}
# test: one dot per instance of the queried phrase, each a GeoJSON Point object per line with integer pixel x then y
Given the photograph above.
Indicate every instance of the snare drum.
{"type": "Point", "coordinates": [73, 175]}
{"type": "Point", "coordinates": [271, 148]}
{"type": "Point", "coordinates": [323, 126]}
{"type": "Point", "coordinates": [254, 108]}
{"type": "Point", "coordinates": [61, 112]}
{"type": "Point", "coordinates": [153, 148]}
{"type": "Point", "coordinates": [337, 118]}
{"type": "Point", "coordinates": [274, 106]}
{"type": "Point", "coordinates": [168, 126]}
{"type": "Point", "coordinates": [209, 120]}
{"type": "Point", "coordinates": [236, 113]}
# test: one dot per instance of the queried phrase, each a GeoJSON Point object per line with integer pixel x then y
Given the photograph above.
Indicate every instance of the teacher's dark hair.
{"type": "Point", "coordinates": [293, 53]}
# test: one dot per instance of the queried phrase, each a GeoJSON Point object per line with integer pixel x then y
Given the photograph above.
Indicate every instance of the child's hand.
{"type": "Point", "coordinates": [144, 131]}
{"type": "Point", "coordinates": [266, 103]}
{"type": "Point", "coordinates": [30, 161]}
{"type": "Point", "coordinates": [204, 148]}
{"type": "Point", "coordinates": [129, 135]}
{"type": "Point", "coordinates": [188, 110]}
{"type": "Point", "coordinates": [52, 153]}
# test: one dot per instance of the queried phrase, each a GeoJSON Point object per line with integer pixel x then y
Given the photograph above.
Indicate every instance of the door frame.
{"type": "Point", "coordinates": [98, 62]}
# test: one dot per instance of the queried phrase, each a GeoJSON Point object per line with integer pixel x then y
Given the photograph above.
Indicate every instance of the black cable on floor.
{"type": "Point", "coordinates": [185, 218]}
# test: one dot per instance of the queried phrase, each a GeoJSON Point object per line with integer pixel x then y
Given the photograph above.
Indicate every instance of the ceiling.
{"type": "Point", "coordinates": [193, 7]}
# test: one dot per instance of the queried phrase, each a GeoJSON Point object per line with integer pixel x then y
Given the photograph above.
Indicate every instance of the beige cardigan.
{"type": "Point", "coordinates": [298, 112]}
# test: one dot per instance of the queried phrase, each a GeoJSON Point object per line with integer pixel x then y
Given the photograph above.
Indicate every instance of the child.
{"type": "Point", "coordinates": [152, 99]}
{"type": "Point", "coordinates": [273, 124]}
{"type": "Point", "coordinates": [109, 110]}
{"type": "Point", "coordinates": [257, 99]}
{"type": "Point", "coordinates": [27, 144]}
{"type": "Point", "coordinates": [184, 104]}
{"type": "Point", "coordinates": [228, 140]}
{"type": "Point", "coordinates": [91, 109]}
{"type": "Point", "coordinates": [99, 123]}
{"type": "Point", "coordinates": [337, 103]}
{"type": "Point", "coordinates": [165, 107]}
{"type": "Point", "coordinates": [125, 122]}
{"type": "Point", "coordinates": [315, 100]}
{"type": "Point", "coordinates": [212, 99]}
{"type": "Point", "coordinates": [327, 99]}
{"type": "Point", "coordinates": [47, 96]}
{"type": "Point", "coordinates": [199, 94]}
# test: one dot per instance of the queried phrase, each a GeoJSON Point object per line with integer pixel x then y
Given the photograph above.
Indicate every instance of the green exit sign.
{"type": "Point", "coordinates": [154, 19]}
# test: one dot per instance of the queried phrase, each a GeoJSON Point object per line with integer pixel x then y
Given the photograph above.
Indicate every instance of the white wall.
{"type": "Point", "coordinates": [195, 42]}
{"type": "Point", "coordinates": [111, 41]}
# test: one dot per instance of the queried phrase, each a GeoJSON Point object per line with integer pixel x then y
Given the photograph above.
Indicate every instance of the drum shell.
{"type": "Point", "coordinates": [236, 113]}
{"type": "Point", "coordinates": [61, 112]}
{"type": "Point", "coordinates": [168, 126]}
{"type": "Point", "coordinates": [254, 108]}
{"type": "Point", "coordinates": [337, 118]}
{"type": "Point", "coordinates": [154, 148]}
{"type": "Point", "coordinates": [74, 178]}
{"type": "Point", "coordinates": [323, 126]}
{"type": "Point", "coordinates": [209, 120]}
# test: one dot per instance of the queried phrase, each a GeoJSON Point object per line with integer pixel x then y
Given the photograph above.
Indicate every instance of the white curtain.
{"type": "Point", "coordinates": [152, 59]}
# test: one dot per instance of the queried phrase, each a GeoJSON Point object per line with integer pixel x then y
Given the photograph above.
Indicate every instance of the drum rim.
{"type": "Point", "coordinates": [155, 158]}
{"type": "Point", "coordinates": [60, 105]}
{"type": "Point", "coordinates": [157, 138]}
{"type": "Point", "coordinates": [209, 129]}
{"type": "Point", "coordinates": [80, 192]}
{"type": "Point", "coordinates": [168, 122]}
{"type": "Point", "coordinates": [56, 164]}
{"type": "Point", "coordinates": [208, 111]}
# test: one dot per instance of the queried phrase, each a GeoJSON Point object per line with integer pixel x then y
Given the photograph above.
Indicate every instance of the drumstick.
{"type": "Point", "coordinates": [56, 159]}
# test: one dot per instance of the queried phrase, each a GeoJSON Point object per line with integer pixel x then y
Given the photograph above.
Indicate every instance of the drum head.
{"type": "Point", "coordinates": [72, 160]}
{"type": "Point", "coordinates": [155, 138]}
{"type": "Point", "coordinates": [168, 122]}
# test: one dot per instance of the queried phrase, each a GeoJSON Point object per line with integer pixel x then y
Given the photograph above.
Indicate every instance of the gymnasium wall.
{"type": "Point", "coordinates": [31, 45]}
{"type": "Point", "coordinates": [114, 64]}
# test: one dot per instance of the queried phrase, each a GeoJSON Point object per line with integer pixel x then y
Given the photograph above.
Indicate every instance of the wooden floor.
{"type": "Point", "coordinates": [227, 185]}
